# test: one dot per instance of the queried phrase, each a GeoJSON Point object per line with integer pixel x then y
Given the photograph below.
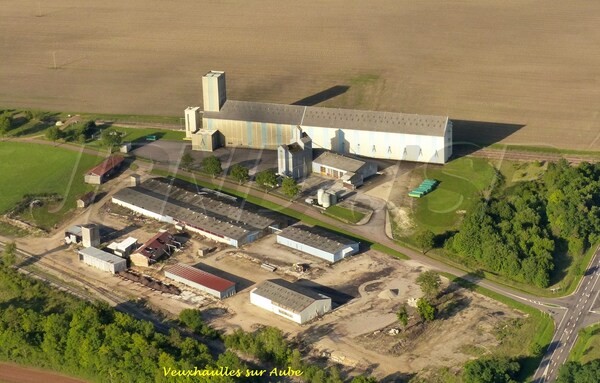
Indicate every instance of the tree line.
{"type": "Point", "coordinates": [46, 328]}
{"type": "Point", "coordinates": [519, 232]}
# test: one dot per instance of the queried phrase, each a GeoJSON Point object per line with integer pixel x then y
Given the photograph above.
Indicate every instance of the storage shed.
{"type": "Point", "coordinates": [319, 242]}
{"type": "Point", "coordinates": [201, 280]}
{"type": "Point", "coordinates": [294, 302]}
{"type": "Point", "coordinates": [100, 173]}
{"type": "Point", "coordinates": [102, 260]}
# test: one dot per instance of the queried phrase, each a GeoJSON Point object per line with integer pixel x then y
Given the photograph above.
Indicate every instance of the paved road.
{"type": "Point", "coordinates": [577, 316]}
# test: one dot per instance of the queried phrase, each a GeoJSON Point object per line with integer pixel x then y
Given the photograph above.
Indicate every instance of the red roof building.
{"type": "Point", "coordinates": [161, 244]}
{"type": "Point", "coordinates": [102, 171]}
{"type": "Point", "coordinates": [201, 280]}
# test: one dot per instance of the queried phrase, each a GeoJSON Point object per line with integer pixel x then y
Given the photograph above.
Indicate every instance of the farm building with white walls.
{"type": "Point", "coordinates": [289, 300]}
{"type": "Point", "coordinates": [201, 280]}
{"type": "Point", "coordinates": [211, 214]}
{"type": "Point", "coordinates": [385, 135]}
{"type": "Point", "coordinates": [351, 171]}
{"type": "Point", "coordinates": [102, 260]}
{"type": "Point", "coordinates": [317, 242]}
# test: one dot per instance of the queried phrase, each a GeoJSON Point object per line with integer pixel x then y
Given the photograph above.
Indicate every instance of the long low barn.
{"type": "Point", "coordinates": [385, 135]}
{"type": "Point", "coordinates": [102, 260]}
{"type": "Point", "coordinates": [318, 242]}
{"type": "Point", "coordinates": [208, 213]}
{"type": "Point", "coordinates": [201, 280]}
{"type": "Point", "coordinates": [289, 300]}
{"type": "Point", "coordinates": [100, 173]}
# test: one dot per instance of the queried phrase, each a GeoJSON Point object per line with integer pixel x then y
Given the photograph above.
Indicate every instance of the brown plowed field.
{"type": "Point", "coordinates": [530, 64]}
{"type": "Point", "coordinates": [13, 373]}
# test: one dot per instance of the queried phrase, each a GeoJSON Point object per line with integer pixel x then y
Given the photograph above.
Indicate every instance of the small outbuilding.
{"type": "Point", "coordinates": [125, 147]}
{"type": "Point", "coordinates": [102, 260]}
{"type": "Point", "coordinates": [201, 280]}
{"type": "Point", "coordinates": [100, 173]}
{"type": "Point", "coordinates": [86, 200]}
{"type": "Point", "coordinates": [290, 300]}
{"type": "Point", "coordinates": [124, 248]}
{"type": "Point", "coordinates": [318, 242]}
{"type": "Point", "coordinates": [351, 171]}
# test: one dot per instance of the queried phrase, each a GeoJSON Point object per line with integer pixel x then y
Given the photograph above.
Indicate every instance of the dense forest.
{"type": "Point", "coordinates": [518, 232]}
{"type": "Point", "coordinates": [46, 328]}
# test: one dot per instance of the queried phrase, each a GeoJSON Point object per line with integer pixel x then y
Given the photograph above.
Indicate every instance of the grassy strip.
{"type": "Point", "coordinates": [126, 118]}
{"type": "Point", "coordinates": [584, 344]}
{"type": "Point", "coordinates": [283, 210]}
{"type": "Point", "coordinates": [542, 149]}
{"type": "Point", "coordinates": [9, 230]}
{"type": "Point", "coordinates": [542, 337]}
{"type": "Point", "coordinates": [343, 214]}
{"type": "Point", "coordinates": [138, 135]}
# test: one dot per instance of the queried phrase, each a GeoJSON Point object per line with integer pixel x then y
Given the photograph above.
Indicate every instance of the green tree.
{"type": "Point", "coordinates": [9, 255]}
{"type": "Point", "coordinates": [575, 372]}
{"type": "Point", "coordinates": [290, 187]}
{"type": "Point", "coordinates": [53, 133]}
{"type": "Point", "coordinates": [266, 179]}
{"type": "Point", "coordinates": [402, 315]}
{"type": "Point", "coordinates": [5, 123]}
{"type": "Point", "coordinates": [430, 283]}
{"type": "Point", "coordinates": [111, 138]}
{"type": "Point", "coordinates": [239, 173]}
{"type": "Point", "coordinates": [212, 166]}
{"type": "Point", "coordinates": [425, 310]}
{"type": "Point", "coordinates": [490, 370]}
{"type": "Point", "coordinates": [186, 161]}
{"type": "Point", "coordinates": [425, 240]}
{"type": "Point", "coordinates": [28, 114]}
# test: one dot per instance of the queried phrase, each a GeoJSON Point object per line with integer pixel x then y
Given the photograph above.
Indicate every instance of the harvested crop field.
{"type": "Point", "coordinates": [527, 66]}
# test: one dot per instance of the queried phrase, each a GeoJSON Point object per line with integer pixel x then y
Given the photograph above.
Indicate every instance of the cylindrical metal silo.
{"type": "Point", "coordinates": [326, 200]}
{"type": "Point", "coordinates": [320, 193]}
{"type": "Point", "coordinates": [332, 198]}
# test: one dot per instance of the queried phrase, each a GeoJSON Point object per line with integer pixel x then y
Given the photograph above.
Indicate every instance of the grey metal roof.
{"type": "Point", "coordinates": [288, 295]}
{"type": "Point", "coordinates": [101, 255]}
{"type": "Point", "coordinates": [258, 112]}
{"type": "Point", "coordinates": [337, 161]}
{"type": "Point", "coordinates": [207, 212]}
{"type": "Point", "coordinates": [331, 118]}
{"type": "Point", "coordinates": [316, 237]}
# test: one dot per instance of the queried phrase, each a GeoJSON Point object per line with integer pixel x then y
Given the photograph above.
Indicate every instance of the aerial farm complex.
{"type": "Point", "coordinates": [383, 135]}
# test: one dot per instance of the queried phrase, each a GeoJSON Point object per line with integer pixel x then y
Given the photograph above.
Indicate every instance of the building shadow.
{"type": "Point", "coordinates": [108, 234]}
{"type": "Point", "coordinates": [322, 96]}
{"type": "Point", "coordinates": [240, 283]}
{"type": "Point", "coordinates": [470, 136]}
{"type": "Point", "coordinates": [398, 377]}
{"type": "Point", "coordinates": [338, 298]}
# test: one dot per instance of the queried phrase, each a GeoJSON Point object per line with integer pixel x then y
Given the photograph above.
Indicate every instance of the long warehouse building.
{"type": "Point", "coordinates": [385, 135]}
{"type": "Point", "coordinates": [318, 242]}
{"type": "Point", "coordinates": [212, 214]}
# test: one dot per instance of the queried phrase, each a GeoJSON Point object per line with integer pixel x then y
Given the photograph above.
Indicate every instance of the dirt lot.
{"type": "Point", "coordinates": [13, 373]}
{"type": "Point", "coordinates": [367, 290]}
{"type": "Point", "coordinates": [514, 62]}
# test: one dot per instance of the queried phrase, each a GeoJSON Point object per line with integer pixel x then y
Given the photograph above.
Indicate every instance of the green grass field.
{"type": "Point", "coordinates": [461, 182]}
{"type": "Point", "coordinates": [35, 169]}
{"type": "Point", "coordinates": [587, 347]}
{"type": "Point", "coordinates": [343, 214]}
